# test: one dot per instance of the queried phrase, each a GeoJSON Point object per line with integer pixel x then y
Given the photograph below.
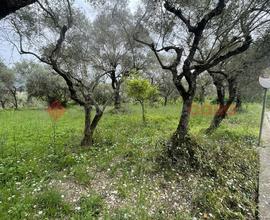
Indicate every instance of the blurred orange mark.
{"type": "Point", "coordinates": [56, 110]}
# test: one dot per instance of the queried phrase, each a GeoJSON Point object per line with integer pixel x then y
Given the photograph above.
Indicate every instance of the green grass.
{"type": "Point", "coordinates": [125, 175]}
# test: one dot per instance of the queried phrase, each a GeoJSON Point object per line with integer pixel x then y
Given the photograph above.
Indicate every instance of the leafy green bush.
{"type": "Point", "coordinates": [141, 90]}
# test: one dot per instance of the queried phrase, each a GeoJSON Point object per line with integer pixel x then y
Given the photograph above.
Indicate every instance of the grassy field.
{"type": "Point", "coordinates": [125, 175]}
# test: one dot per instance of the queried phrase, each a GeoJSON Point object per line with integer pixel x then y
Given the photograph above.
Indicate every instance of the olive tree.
{"type": "Point", "coordinates": [161, 79]}
{"type": "Point", "coordinates": [237, 76]}
{"type": "Point", "coordinates": [198, 35]}
{"type": "Point", "coordinates": [42, 82]}
{"type": "Point", "coordinates": [48, 87]}
{"type": "Point", "coordinates": [5, 97]}
{"type": "Point", "coordinates": [204, 88]}
{"type": "Point", "coordinates": [165, 86]}
{"type": "Point", "coordinates": [251, 66]}
{"type": "Point", "coordinates": [141, 90]}
{"type": "Point", "coordinates": [10, 86]}
{"type": "Point", "coordinates": [114, 50]}
{"type": "Point", "coordinates": [59, 35]}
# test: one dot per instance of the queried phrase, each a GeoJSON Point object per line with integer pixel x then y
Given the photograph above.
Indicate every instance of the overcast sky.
{"type": "Point", "coordinates": [10, 55]}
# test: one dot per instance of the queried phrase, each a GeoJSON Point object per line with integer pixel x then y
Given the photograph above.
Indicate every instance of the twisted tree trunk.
{"type": "Point", "coordinates": [181, 145]}
{"type": "Point", "coordinates": [182, 128]}
{"type": "Point", "coordinates": [3, 104]}
{"type": "Point", "coordinates": [14, 94]}
{"type": "Point", "coordinates": [221, 113]}
{"type": "Point", "coordinates": [165, 100]}
{"type": "Point", "coordinates": [90, 126]}
{"type": "Point", "coordinates": [117, 97]}
{"type": "Point", "coordinates": [238, 106]}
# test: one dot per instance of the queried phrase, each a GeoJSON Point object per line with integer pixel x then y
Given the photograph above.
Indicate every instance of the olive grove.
{"type": "Point", "coordinates": [60, 37]}
{"type": "Point", "coordinates": [198, 36]}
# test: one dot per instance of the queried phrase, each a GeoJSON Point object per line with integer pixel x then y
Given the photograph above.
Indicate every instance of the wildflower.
{"type": "Point", "coordinates": [77, 208]}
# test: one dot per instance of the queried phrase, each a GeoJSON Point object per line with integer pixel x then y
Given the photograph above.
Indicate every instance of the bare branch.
{"type": "Point", "coordinates": [50, 13]}
{"type": "Point", "coordinates": [220, 72]}
{"type": "Point", "coordinates": [199, 31]}
{"type": "Point", "coordinates": [59, 43]}
{"type": "Point", "coordinates": [21, 49]}
{"type": "Point", "coordinates": [179, 14]}
{"type": "Point", "coordinates": [152, 47]}
{"type": "Point", "coordinates": [246, 44]}
{"type": "Point", "coordinates": [73, 92]}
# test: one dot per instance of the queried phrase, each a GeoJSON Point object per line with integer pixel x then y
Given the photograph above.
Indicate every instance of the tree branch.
{"type": "Point", "coordinates": [152, 47]}
{"type": "Point", "coordinates": [178, 12]}
{"type": "Point", "coordinates": [21, 50]}
{"type": "Point", "coordinates": [246, 44]}
{"type": "Point", "coordinates": [198, 32]}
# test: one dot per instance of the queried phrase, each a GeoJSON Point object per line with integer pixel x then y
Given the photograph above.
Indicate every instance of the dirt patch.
{"type": "Point", "coordinates": [70, 190]}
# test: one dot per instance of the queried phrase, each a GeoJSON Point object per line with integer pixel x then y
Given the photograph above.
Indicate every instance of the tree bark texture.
{"type": "Point", "coordinates": [117, 98]}
{"type": "Point", "coordinates": [182, 128]}
{"type": "Point", "coordinates": [3, 104]}
{"type": "Point", "coordinates": [90, 126]}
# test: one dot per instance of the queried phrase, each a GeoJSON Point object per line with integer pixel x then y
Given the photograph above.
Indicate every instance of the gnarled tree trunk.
{"type": "Point", "coordinates": [3, 104]}
{"type": "Point", "coordinates": [117, 97]}
{"type": "Point", "coordinates": [238, 106]}
{"type": "Point", "coordinates": [116, 85]}
{"type": "Point", "coordinates": [88, 137]}
{"type": "Point", "coordinates": [165, 100]}
{"type": "Point", "coordinates": [14, 94]}
{"type": "Point", "coordinates": [188, 97]}
{"type": "Point", "coordinates": [182, 128]}
{"type": "Point", "coordinates": [90, 126]}
{"type": "Point", "coordinates": [180, 146]}
{"type": "Point", "coordinates": [221, 113]}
